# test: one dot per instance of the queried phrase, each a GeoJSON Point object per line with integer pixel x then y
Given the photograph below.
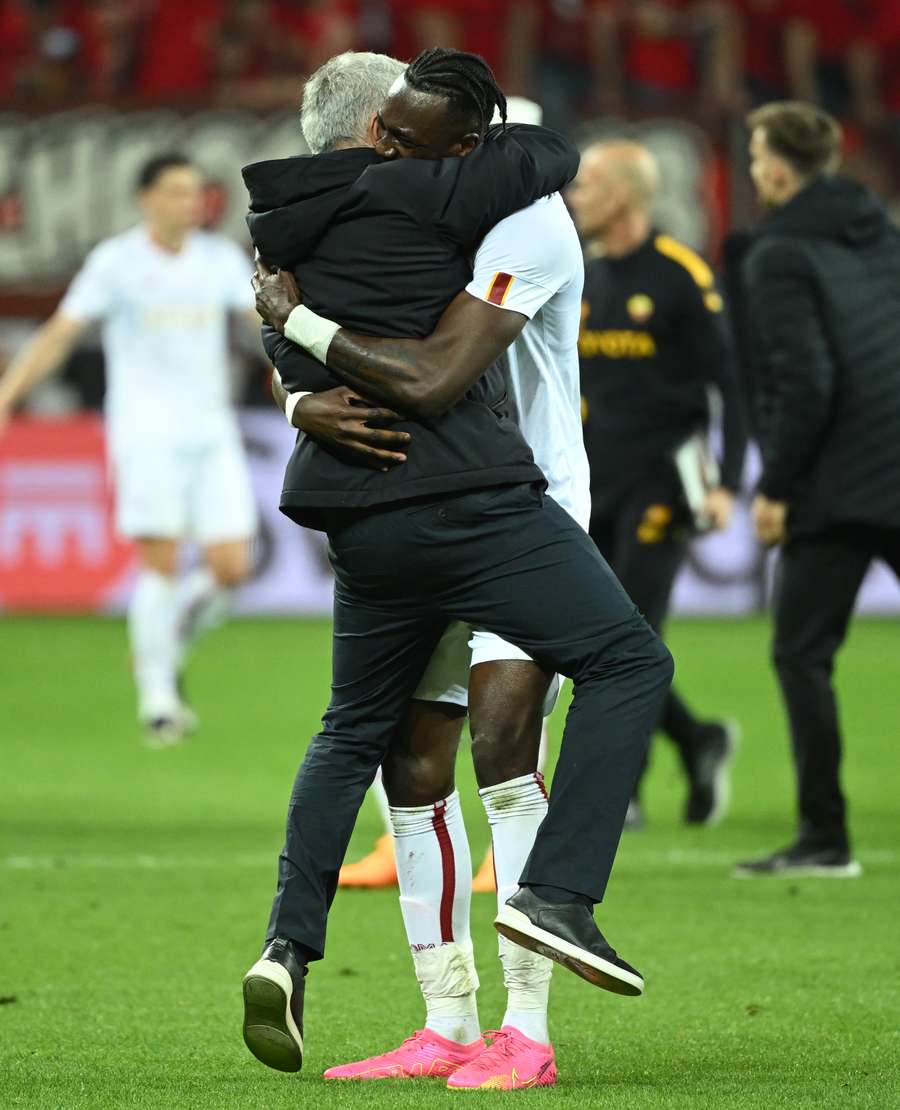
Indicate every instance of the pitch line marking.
{"type": "Point", "coordinates": [148, 862]}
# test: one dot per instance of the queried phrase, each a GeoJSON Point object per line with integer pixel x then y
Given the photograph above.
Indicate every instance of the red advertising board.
{"type": "Point", "coordinates": [58, 546]}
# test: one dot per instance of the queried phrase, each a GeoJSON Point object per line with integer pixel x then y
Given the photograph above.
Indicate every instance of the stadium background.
{"type": "Point", "coordinates": [89, 90]}
{"type": "Point", "coordinates": [133, 883]}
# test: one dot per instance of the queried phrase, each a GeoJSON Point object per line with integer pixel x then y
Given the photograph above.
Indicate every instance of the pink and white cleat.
{"type": "Point", "coordinates": [512, 1063]}
{"type": "Point", "coordinates": [424, 1055]}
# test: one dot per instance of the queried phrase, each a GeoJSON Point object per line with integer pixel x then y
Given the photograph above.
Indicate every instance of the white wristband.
{"type": "Point", "coordinates": [312, 332]}
{"type": "Point", "coordinates": [293, 399]}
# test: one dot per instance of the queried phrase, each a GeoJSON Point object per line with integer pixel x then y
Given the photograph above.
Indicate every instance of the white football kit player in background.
{"type": "Point", "coordinates": [162, 292]}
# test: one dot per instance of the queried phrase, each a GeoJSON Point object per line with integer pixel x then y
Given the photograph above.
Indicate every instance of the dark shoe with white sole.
{"type": "Point", "coordinates": [567, 934]}
{"type": "Point", "coordinates": [273, 1006]}
{"type": "Point", "coordinates": [710, 779]}
{"type": "Point", "coordinates": [801, 861]}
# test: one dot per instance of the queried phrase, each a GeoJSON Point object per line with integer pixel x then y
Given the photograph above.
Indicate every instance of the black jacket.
{"type": "Point", "coordinates": [383, 247]}
{"type": "Point", "coordinates": [819, 333]}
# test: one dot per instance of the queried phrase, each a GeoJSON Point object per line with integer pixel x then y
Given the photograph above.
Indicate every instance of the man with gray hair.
{"type": "Point", "coordinates": [460, 530]}
{"type": "Point", "coordinates": [342, 97]}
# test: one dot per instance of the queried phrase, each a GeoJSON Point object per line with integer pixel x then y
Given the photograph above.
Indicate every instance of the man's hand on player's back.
{"type": "Point", "coordinates": [277, 294]}
{"type": "Point", "coordinates": [346, 423]}
{"type": "Point", "coordinates": [342, 421]}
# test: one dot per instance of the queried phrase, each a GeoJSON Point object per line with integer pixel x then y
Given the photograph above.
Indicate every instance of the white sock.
{"type": "Point", "coordinates": [434, 870]}
{"type": "Point", "coordinates": [384, 806]}
{"type": "Point", "coordinates": [515, 810]}
{"type": "Point", "coordinates": [201, 604]}
{"type": "Point", "coordinates": [152, 618]}
{"type": "Point", "coordinates": [542, 750]}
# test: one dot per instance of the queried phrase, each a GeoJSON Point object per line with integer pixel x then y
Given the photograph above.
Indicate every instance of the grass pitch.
{"type": "Point", "coordinates": [135, 884]}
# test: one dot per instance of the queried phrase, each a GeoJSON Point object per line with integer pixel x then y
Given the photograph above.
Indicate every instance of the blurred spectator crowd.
{"type": "Point", "coordinates": [710, 59]}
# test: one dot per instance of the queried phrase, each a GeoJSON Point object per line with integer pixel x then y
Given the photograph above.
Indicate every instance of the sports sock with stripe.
{"type": "Point", "coordinates": [434, 871]}
{"type": "Point", "coordinates": [515, 810]}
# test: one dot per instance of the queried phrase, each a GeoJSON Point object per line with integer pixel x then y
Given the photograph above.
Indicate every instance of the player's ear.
{"type": "Point", "coordinates": [468, 143]}
{"type": "Point", "coordinates": [373, 131]}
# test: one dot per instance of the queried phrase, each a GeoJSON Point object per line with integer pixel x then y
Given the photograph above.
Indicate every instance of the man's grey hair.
{"type": "Point", "coordinates": [341, 97]}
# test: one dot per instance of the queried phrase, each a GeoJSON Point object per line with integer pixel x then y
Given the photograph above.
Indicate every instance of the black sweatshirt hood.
{"type": "Point", "coordinates": [830, 208]}
{"type": "Point", "coordinates": [293, 201]}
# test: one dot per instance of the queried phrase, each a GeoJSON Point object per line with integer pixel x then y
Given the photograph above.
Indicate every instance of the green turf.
{"type": "Point", "coordinates": [134, 887]}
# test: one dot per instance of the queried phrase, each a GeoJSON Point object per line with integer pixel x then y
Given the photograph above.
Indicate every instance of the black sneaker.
{"type": "Point", "coordinates": [273, 1006]}
{"type": "Point", "coordinates": [710, 781]}
{"type": "Point", "coordinates": [567, 934]}
{"type": "Point", "coordinates": [802, 860]}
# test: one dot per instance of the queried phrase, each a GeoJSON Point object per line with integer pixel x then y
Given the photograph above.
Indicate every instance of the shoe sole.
{"type": "Point", "coordinates": [515, 926]}
{"type": "Point", "coordinates": [851, 870]}
{"type": "Point", "coordinates": [270, 1031]}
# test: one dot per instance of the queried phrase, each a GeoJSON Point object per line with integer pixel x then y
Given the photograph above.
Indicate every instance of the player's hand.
{"type": "Point", "coordinates": [277, 294]}
{"type": "Point", "coordinates": [769, 519]}
{"type": "Point", "coordinates": [718, 508]}
{"type": "Point", "coordinates": [353, 427]}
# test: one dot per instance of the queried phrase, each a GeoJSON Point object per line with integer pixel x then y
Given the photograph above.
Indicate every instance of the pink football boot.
{"type": "Point", "coordinates": [512, 1063]}
{"type": "Point", "coordinates": [424, 1055]}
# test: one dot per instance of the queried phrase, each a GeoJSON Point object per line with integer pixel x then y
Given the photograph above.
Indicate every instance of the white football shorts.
{"type": "Point", "coordinates": [446, 677]}
{"type": "Point", "coordinates": [173, 490]}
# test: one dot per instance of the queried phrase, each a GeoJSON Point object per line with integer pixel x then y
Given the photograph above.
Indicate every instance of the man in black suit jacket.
{"type": "Point", "coordinates": [820, 335]}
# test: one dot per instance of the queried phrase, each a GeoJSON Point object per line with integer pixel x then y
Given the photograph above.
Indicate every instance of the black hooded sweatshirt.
{"type": "Point", "coordinates": [382, 248]}
{"type": "Point", "coordinates": [818, 292]}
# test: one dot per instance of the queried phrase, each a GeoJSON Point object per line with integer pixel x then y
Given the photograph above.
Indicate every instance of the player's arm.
{"type": "Point", "coordinates": [42, 354]}
{"type": "Point", "coordinates": [422, 377]}
{"type": "Point", "coordinates": [708, 332]}
{"type": "Point", "coordinates": [710, 349]}
{"type": "Point", "coordinates": [798, 379]}
{"type": "Point", "coordinates": [463, 198]}
{"type": "Point", "coordinates": [91, 296]}
{"type": "Point", "coordinates": [342, 421]}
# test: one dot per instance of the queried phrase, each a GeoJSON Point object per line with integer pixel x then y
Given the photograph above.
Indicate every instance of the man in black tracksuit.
{"type": "Point", "coordinates": [820, 333]}
{"type": "Point", "coordinates": [461, 531]}
{"type": "Point", "coordinates": [653, 340]}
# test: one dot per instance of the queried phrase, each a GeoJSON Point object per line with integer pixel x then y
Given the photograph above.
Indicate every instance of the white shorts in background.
{"type": "Point", "coordinates": [446, 678]}
{"type": "Point", "coordinates": [179, 490]}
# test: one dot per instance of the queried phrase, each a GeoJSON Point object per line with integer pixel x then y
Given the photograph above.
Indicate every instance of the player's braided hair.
{"type": "Point", "coordinates": [466, 80]}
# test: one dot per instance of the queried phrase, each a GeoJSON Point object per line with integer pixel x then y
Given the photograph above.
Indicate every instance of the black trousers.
{"type": "Point", "coordinates": [818, 580]}
{"type": "Point", "coordinates": [644, 535]}
{"type": "Point", "coordinates": [512, 561]}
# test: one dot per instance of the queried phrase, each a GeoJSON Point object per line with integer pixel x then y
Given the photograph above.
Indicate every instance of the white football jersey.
{"type": "Point", "coordinates": [164, 317]}
{"type": "Point", "coordinates": [531, 262]}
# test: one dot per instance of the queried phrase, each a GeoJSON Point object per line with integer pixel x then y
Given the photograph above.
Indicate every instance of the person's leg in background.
{"type": "Point", "coordinates": [378, 868]}
{"type": "Point", "coordinates": [818, 580]}
{"type": "Point", "coordinates": [153, 636]}
{"type": "Point", "coordinates": [223, 518]}
{"type": "Point", "coordinates": [651, 535]}
{"type": "Point", "coordinates": [152, 509]}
